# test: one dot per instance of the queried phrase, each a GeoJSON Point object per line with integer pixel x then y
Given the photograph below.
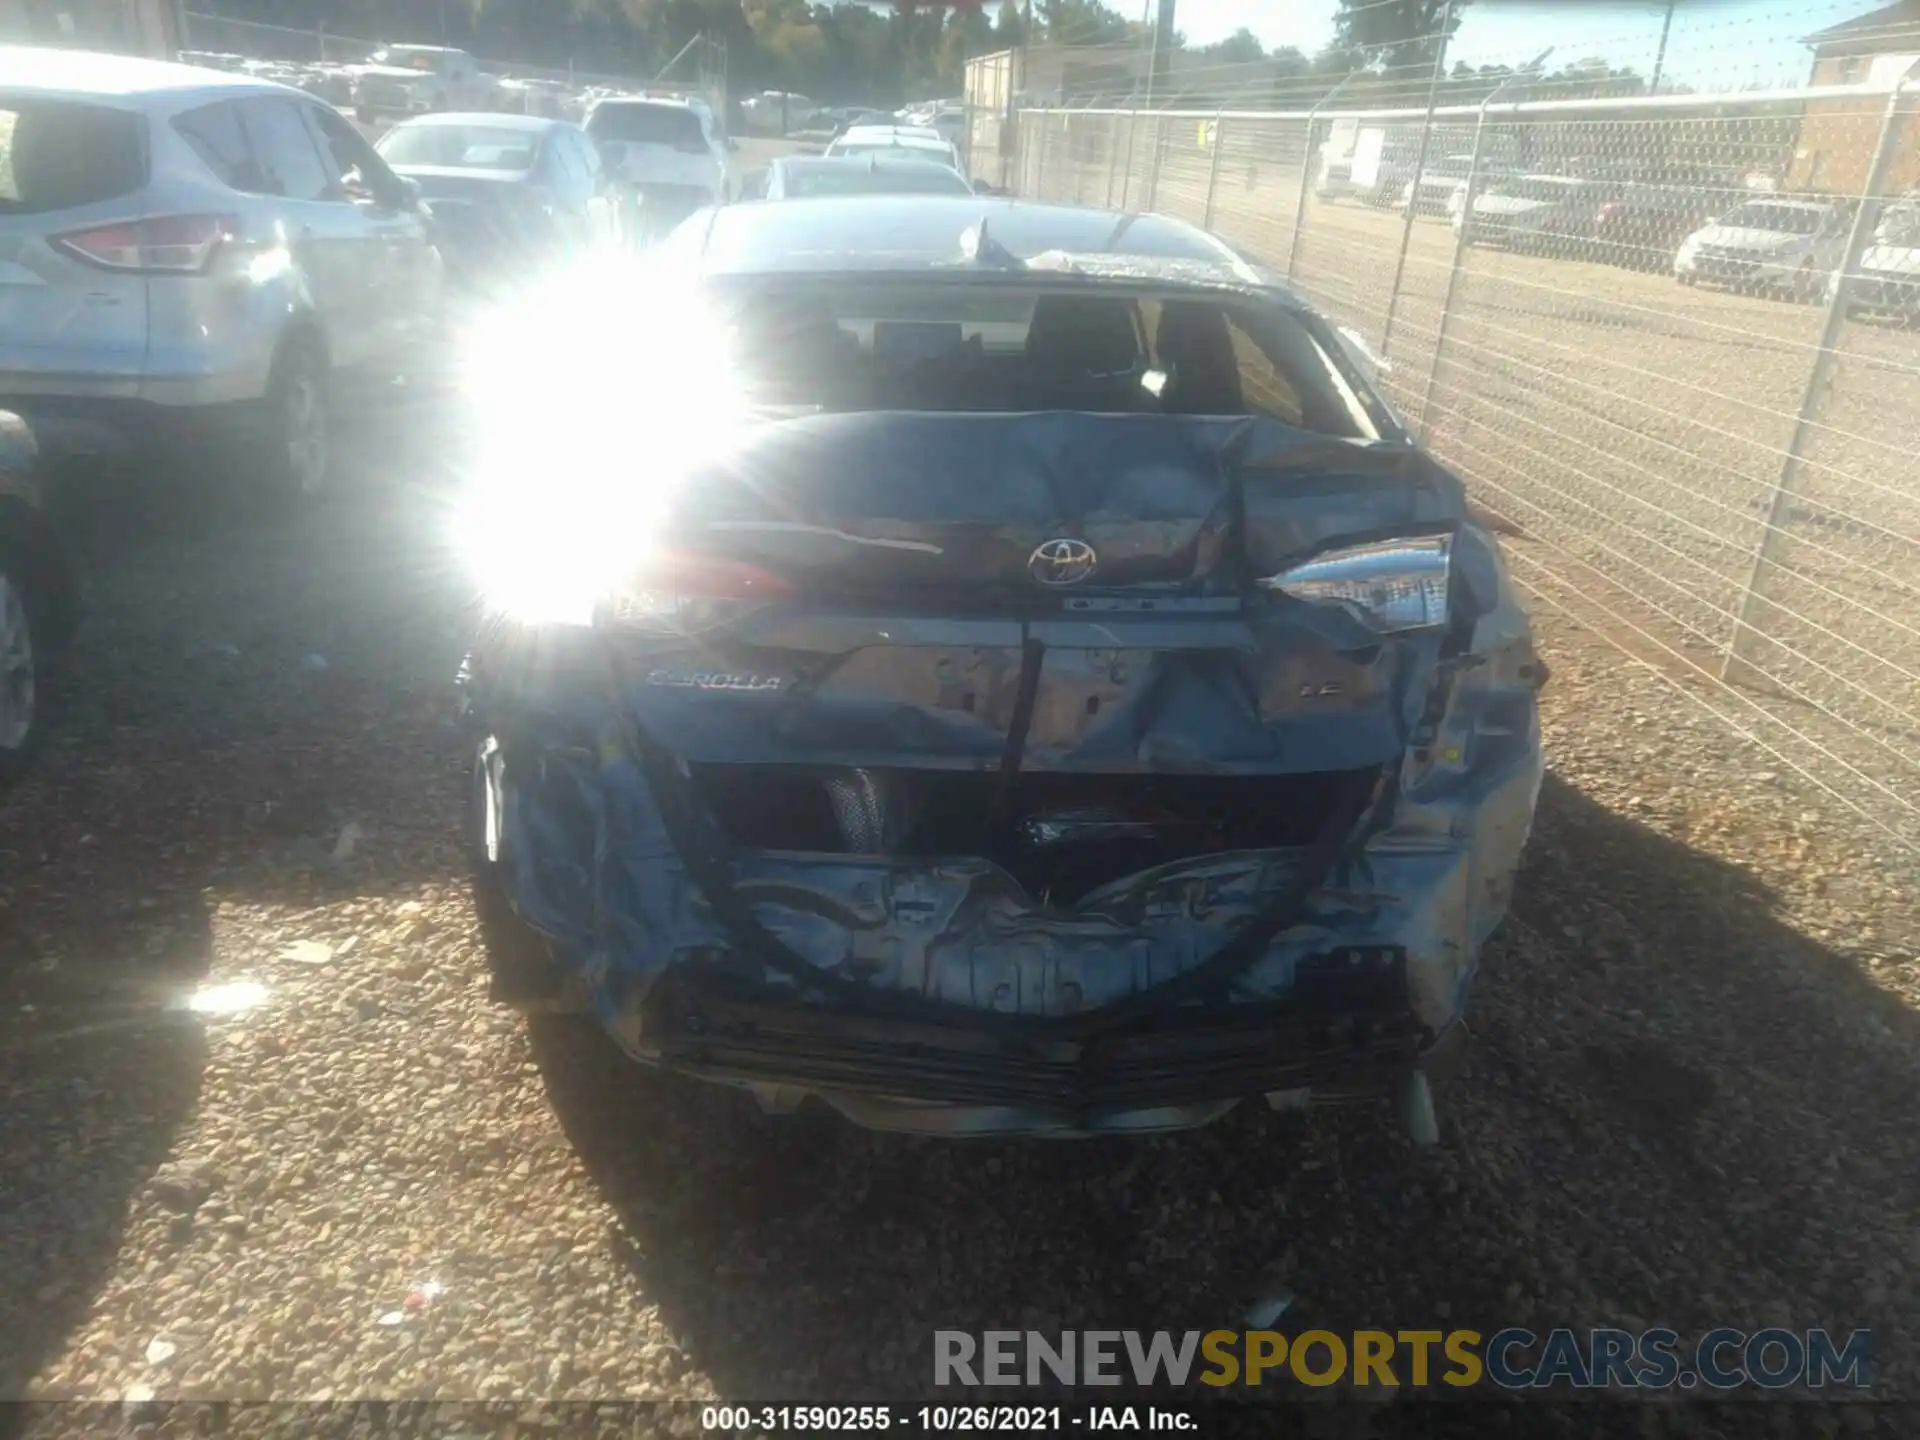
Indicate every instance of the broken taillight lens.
{"type": "Point", "coordinates": [1391, 585]}
{"type": "Point", "coordinates": [679, 592]}
{"type": "Point", "coordinates": [165, 244]}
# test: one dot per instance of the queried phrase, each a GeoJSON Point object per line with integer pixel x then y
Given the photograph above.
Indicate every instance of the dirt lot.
{"type": "Point", "coordinates": [1687, 1098]}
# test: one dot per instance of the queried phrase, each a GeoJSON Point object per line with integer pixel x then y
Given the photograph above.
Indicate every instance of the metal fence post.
{"type": "Point", "coordinates": [1306, 176]}
{"type": "Point", "coordinates": [1213, 167]}
{"type": "Point", "coordinates": [1737, 664]}
{"type": "Point", "coordinates": [1155, 161]}
{"type": "Point", "coordinates": [1413, 195]}
{"type": "Point", "coordinates": [1126, 178]}
{"type": "Point", "coordinates": [1040, 155]}
{"type": "Point", "coordinates": [1460, 246]}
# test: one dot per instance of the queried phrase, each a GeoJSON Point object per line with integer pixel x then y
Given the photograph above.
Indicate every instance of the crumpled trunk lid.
{"type": "Point", "coordinates": [926, 573]}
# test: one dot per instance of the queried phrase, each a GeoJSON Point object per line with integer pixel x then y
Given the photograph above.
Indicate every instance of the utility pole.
{"type": "Point", "coordinates": [1160, 59]}
{"type": "Point", "coordinates": [1660, 56]}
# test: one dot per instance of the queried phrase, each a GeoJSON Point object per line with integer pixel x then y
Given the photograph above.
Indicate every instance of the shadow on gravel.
{"type": "Point", "coordinates": [258, 710]}
{"type": "Point", "coordinates": [1669, 1115]}
{"type": "Point", "coordinates": [96, 1080]}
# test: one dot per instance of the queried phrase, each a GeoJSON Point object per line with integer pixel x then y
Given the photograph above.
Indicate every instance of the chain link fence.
{"type": "Point", "coordinates": [1671, 342]}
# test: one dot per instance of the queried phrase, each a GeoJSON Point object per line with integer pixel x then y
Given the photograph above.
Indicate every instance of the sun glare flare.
{"type": "Point", "coordinates": [594, 394]}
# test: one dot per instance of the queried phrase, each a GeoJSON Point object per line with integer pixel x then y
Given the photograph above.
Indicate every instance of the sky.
{"type": "Point", "coordinates": [1713, 43]}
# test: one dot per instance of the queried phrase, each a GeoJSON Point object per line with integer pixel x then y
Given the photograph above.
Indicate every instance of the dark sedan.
{"type": "Point", "coordinates": [1639, 225]}
{"type": "Point", "coordinates": [507, 193]}
{"type": "Point", "coordinates": [998, 668]}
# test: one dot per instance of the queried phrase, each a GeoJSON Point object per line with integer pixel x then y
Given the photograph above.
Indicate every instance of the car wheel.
{"type": "Point", "coordinates": [1685, 279]}
{"type": "Point", "coordinates": [23, 654]}
{"type": "Point", "coordinates": [521, 973]}
{"type": "Point", "coordinates": [297, 438]}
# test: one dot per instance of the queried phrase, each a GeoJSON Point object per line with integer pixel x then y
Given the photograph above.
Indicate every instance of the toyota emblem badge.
{"type": "Point", "coordinates": [1062, 562]}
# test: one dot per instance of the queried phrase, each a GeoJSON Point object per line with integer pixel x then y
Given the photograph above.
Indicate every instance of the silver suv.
{"type": "Point", "coordinates": [183, 244]}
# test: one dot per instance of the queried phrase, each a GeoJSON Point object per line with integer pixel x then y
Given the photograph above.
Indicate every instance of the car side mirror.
{"type": "Point", "coordinates": [987, 187]}
{"type": "Point", "coordinates": [410, 192]}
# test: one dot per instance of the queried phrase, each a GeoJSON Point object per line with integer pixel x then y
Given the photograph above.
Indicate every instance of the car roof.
{"type": "Point", "coordinates": [492, 119]}
{"type": "Point", "coordinates": [894, 140]}
{"type": "Point", "coordinates": [919, 233]}
{"type": "Point", "coordinates": [878, 160]}
{"type": "Point", "coordinates": [663, 102]}
{"type": "Point", "coordinates": [903, 132]}
{"type": "Point", "coordinates": [46, 70]}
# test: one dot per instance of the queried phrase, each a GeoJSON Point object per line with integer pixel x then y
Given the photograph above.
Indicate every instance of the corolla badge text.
{"type": "Point", "coordinates": [1063, 561]}
{"type": "Point", "coordinates": [714, 680]}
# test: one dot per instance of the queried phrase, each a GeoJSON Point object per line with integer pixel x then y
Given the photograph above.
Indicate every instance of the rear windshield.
{"type": "Point", "coordinates": [648, 125]}
{"type": "Point", "coordinates": [877, 180]}
{"type": "Point", "coordinates": [862, 342]}
{"type": "Point", "coordinates": [469, 147]}
{"type": "Point", "coordinates": [59, 154]}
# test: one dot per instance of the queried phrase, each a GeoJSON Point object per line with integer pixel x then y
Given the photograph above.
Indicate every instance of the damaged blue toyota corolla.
{"type": "Point", "coordinates": [1061, 699]}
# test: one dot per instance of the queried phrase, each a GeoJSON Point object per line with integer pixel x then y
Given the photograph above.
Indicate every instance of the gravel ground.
{"type": "Point", "coordinates": [1687, 1099]}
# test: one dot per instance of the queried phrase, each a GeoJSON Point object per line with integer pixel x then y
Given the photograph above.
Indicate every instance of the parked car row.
{"type": "Point", "coordinates": [782, 112]}
{"type": "Point", "coordinates": [1700, 230]}
{"type": "Point", "coordinates": [401, 80]}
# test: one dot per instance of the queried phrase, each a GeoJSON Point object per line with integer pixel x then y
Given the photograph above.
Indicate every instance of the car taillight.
{"type": "Point", "coordinates": [1390, 585]}
{"type": "Point", "coordinates": [169, 244]}
{"type": "Point", "coordinates": [680, 592]}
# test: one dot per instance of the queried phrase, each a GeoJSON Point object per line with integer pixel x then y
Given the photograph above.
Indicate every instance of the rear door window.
{"type": "Point", "coordinates": [61, 154]}
{"type": "Point", "coordinates": [287, 151]}
{"type": "Point", "coordinates": [354, 168]}
{"type": "Point", "coordinates": [217, 136]}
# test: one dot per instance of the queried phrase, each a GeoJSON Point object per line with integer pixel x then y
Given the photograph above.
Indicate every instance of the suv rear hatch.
{"type": "Point", "coordinates": [660, 149]}
{"type": "Point", "coordinates": [73, 300]}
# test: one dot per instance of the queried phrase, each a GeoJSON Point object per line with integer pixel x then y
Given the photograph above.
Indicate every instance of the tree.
{"type": "Point", "coordinates": [1083, 22]}
{"type": "Point", "coordinates": [1393, 33]}
{"type": "Point", "coordinates": [1242, 47]}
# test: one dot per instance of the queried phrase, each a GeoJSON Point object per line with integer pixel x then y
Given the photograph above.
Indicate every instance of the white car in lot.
{"type": "Point", "coordinates": [419, 79]}
{"type": "Point", "coordinates": [187, 250]}
{"type": "Point", "coordinates": [899, 142]}
{"type": "Point", "coordinates": [665, 155]}
{"type": "Point", "coordinates": [1776, 243]}
{"type": "Point", "coordinates": [1888, 281]}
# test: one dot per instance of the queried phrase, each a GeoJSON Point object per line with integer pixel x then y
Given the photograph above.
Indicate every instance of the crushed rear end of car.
{"type": "Point", "coordinates": [1044, 772]}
